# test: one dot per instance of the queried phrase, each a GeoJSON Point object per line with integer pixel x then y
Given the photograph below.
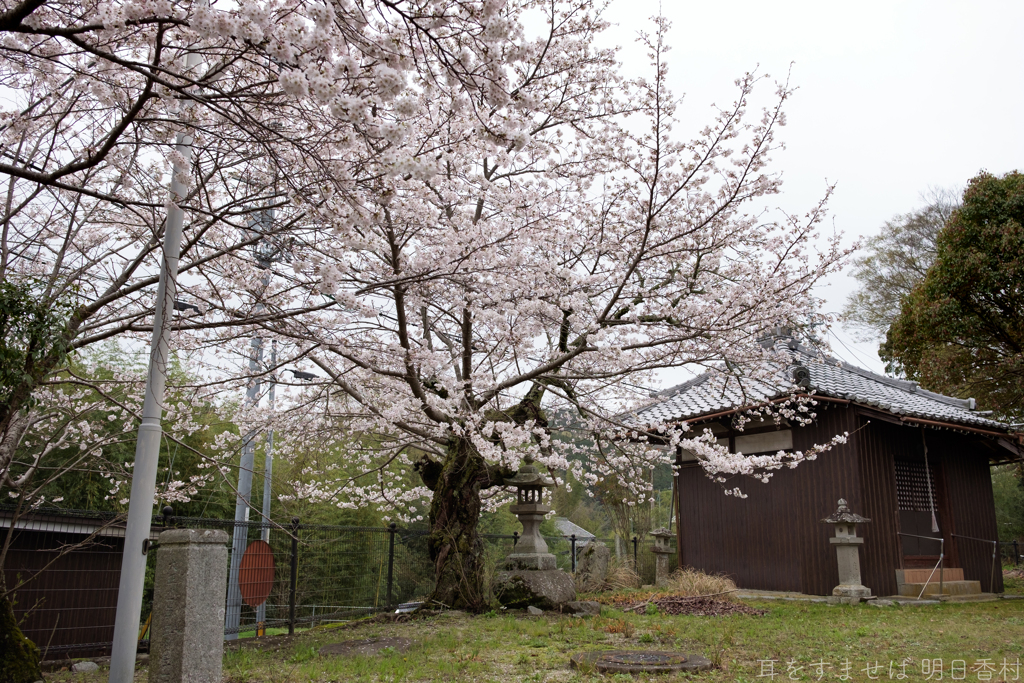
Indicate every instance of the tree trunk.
{"type": "Point", "coordinates": [19, 656]}
{"type": "Point", "coordinates": [454, 544]}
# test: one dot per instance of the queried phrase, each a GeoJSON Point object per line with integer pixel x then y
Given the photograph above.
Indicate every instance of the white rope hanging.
{"type": "Point", "coordinates": [928, 479]}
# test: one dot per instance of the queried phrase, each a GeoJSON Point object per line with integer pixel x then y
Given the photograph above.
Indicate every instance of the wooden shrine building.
{"type": "Point", "coordinates": [774, 539]}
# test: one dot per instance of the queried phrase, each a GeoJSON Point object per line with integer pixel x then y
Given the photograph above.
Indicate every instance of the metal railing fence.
{"type": "Point", "coordinates": [63, 571]}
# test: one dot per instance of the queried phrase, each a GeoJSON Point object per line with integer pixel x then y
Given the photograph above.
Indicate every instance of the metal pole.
{"type": "Point", "coordinates": [240, 537]}
{"type": "Point", "coordinates": [268, 461]}
{"type": "Point", "coordinates": [294, 575]}
{"type": "Point", "coordinates": [572, 541]}
{"type": "Point", "coordinates": [268, 468]}
{"type": "Point", "coordinates": [391, 560]}
{"type": "Point", "coordinates": [677, 500]}
{"type": "Point", "coordinates": [147, 446]}
{"type": "Point", "coordinates": [995, 554]}
{"type": "Point", "coordinates": [942, 569]}
{"type": "Point", "coordinates": [636, 559]}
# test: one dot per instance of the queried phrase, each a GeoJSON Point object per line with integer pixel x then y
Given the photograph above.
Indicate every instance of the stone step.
{"type": "Point", "coordinates": [922, 575]}
{"type": "Point", "coordinates": [912, 590]}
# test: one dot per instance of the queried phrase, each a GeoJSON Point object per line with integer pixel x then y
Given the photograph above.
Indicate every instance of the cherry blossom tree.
{"type": "Point", "coordinates": [459, 212]}
{"type": "Point", "coordinates": [533, 249]}
{"type": "Point", "coordinates": [274, 95]}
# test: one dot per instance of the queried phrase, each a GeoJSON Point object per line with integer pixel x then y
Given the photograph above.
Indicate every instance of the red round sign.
{"type": "Point", "coordinates": [256, 573]}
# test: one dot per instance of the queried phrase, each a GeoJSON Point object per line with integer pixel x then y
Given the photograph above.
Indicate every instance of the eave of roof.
{"type": "Point", "coordinates": [828, 377]}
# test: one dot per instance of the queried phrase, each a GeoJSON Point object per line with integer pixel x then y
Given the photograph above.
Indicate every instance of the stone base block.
{"type": "Point", "coordinates": [547, 589]}
{"type": "Point", "coordinates": [852, 591]}
{"type": "Point", "coordinates": [638, 661]}
{"type": "Point", "coordinates": [844, 600]}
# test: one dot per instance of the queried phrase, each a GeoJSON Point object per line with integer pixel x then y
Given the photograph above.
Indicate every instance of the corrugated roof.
{"type": "Point", "coordinates": [711, 393]}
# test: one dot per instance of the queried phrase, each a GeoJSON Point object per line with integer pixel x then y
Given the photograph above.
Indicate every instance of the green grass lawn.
{"type": "Point", "coordinates": [803, 638]}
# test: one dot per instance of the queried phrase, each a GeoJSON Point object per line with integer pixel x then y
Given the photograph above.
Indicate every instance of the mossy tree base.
{"type": "Point", "coordinates": [455, 546]}
{"type": "Point", "coordinates": [19, 656]}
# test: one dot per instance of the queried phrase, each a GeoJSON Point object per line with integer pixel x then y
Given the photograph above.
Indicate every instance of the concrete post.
{"type": "Point", "coordinates": [188, 606]}
{"type": "Point", "coordinates": [661, 551]}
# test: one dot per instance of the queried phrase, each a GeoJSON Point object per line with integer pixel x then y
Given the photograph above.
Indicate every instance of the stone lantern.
{"type": "Point", "coordinates": [847, 543]}
{"type": "Point", "coordinates": [530, 577]}
{"type": "Point", "coordinates": [661, 551]}
{"type": "Point", "coordinates": [531, 552]}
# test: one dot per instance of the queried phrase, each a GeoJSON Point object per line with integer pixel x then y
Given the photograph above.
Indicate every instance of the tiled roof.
{"type": "Point", "coordinates": [710, 393]}
{"type": "Point", "coordinates": [567, 528]}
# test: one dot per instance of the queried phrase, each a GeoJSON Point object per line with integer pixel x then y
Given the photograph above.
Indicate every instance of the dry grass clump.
{"type": "Point", "coordinates": [689, 581]}
{"type": "Point", "coordinates": [620, 577]}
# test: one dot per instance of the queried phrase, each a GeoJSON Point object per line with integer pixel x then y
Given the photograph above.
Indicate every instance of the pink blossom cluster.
{"type": "Point", "coordinates": [444, 218]}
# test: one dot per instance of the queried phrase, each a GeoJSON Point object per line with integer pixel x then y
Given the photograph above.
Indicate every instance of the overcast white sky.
{"type": "Point", "coordinates": [894, 97]}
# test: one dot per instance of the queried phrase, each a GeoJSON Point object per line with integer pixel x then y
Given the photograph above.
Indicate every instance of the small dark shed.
{"type": "Point", "coordinates": [63, 569]}
{"type": "Point", "coordinates": [911, 454]}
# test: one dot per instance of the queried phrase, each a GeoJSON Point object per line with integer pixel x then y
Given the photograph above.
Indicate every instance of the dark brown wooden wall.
{"type": "Point", "coordinates": [878, 443]}
{"type": "Point", "coordinates": [963, 490]}
{"type": "Point", "coordinates": [774, 539]}
{"type": "Point", "coordinates": [71, 603]}
{"type": "Point", "coordinates": [966, 483]}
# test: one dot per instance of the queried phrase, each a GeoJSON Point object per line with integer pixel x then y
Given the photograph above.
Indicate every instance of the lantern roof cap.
{"type": "Point", "coordinates": [529, 475]}
{"type": "Point", "coordinates": [843, 515]}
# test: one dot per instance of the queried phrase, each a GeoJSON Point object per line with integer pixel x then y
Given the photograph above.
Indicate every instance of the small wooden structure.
{"type": "Point", "coordinates": [911, 455]}
{"type": "Point", "coordinates": [63, 569]}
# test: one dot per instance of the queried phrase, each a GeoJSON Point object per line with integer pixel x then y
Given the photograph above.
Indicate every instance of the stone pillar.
{"type": "Point", "coordinates": [661, 551]}
{"type": "Point", "coordinates": [847, 544]}
{"type": "Point", "coordinates": [188, 606]}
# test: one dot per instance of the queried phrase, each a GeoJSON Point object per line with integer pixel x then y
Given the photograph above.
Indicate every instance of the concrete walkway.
{"type": "Point", "coordinates": [744, 594]}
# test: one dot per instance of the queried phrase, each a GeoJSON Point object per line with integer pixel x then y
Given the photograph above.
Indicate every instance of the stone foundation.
{"type": "Point", "coordinates": [547, 589]}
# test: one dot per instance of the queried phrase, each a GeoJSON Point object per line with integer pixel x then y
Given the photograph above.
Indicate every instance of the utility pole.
{"type": "Point", "coordinates": [268, 468]}
{"type": "Point", "coordinates": [240, 537]}
{"type": "Point", "coordinates": [147, 446]}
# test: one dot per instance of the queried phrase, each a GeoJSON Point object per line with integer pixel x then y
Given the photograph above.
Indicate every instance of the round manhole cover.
{"type": "Point", "coordinates": [638, 661]}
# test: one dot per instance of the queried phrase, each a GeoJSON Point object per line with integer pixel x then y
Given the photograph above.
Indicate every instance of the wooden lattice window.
{"type": "Point", "coordinates": [912, 486]}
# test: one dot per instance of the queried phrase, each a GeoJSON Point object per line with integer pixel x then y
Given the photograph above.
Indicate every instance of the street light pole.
{"type": "Point", "coordinates": [268, 461]}
{"type": "Point", "coordinates": [147, 446]}
{"type": "Point", "coordinates": [268, 468]}
{"type": "Point", "coordinates": [240, 538]}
